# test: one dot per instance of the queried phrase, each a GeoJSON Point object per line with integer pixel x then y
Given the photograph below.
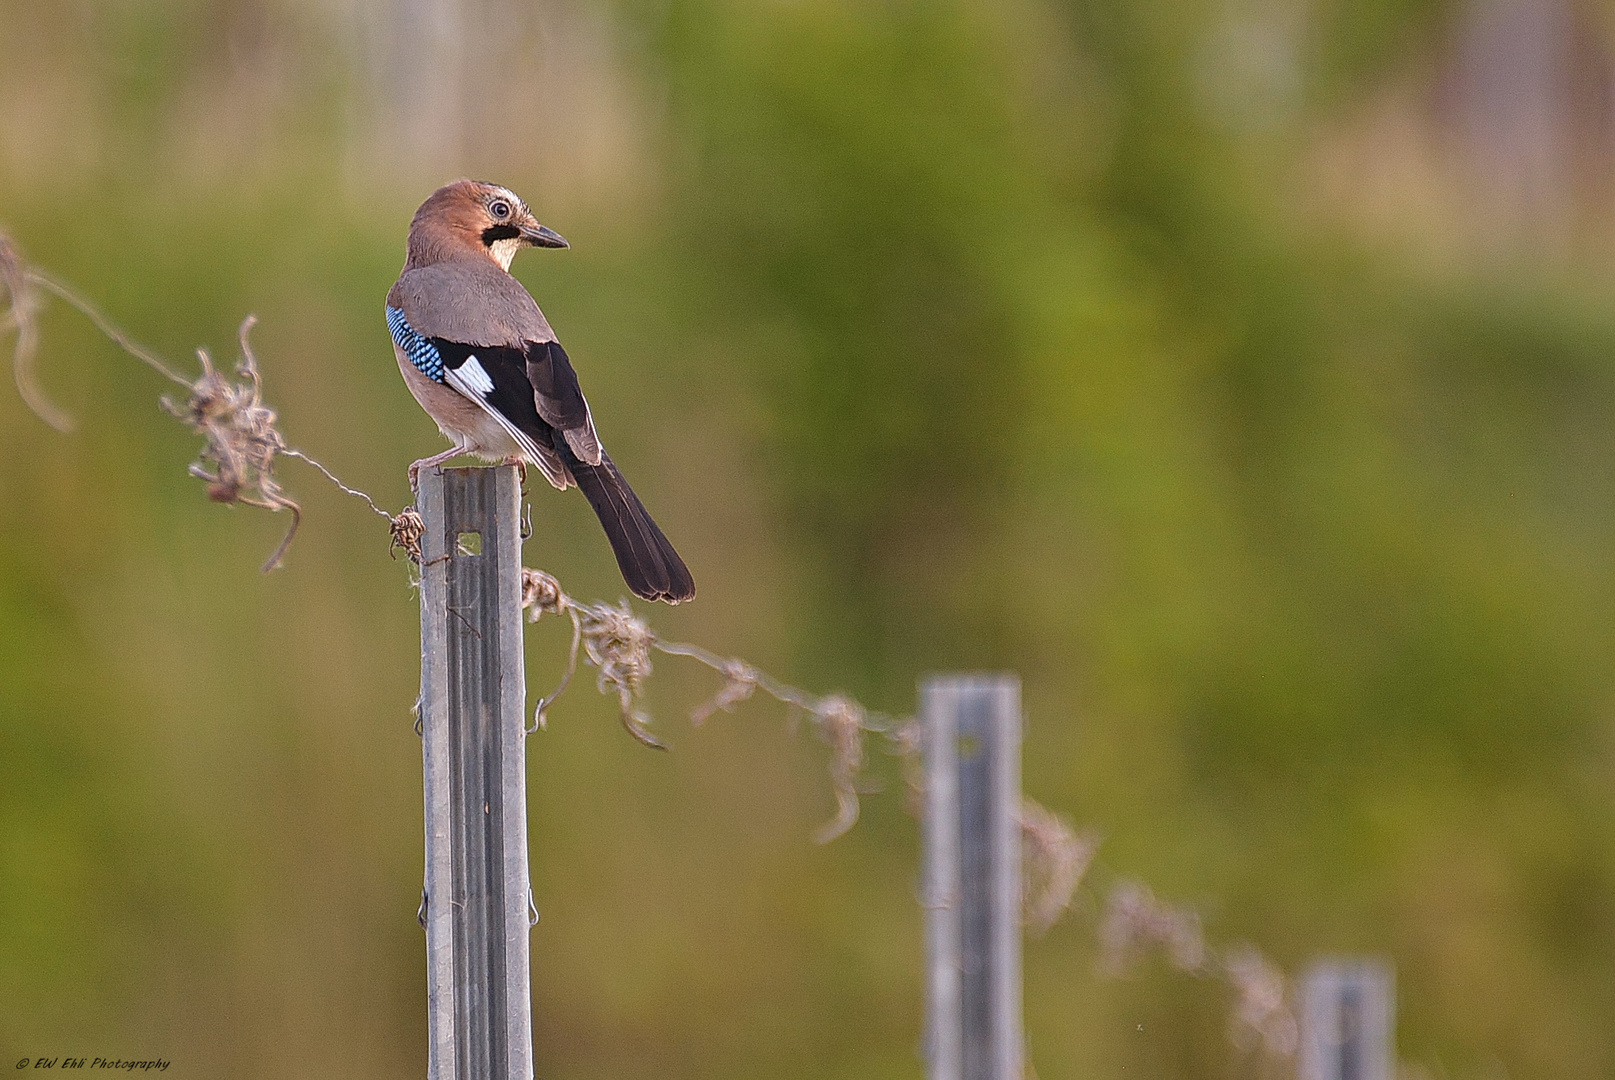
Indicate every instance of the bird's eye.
{"type": "Point", "coordinates": [499, 209]}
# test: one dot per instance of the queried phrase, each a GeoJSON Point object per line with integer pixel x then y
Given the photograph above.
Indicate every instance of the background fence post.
{"type": "Point", "coordinates": [972, 876]}
{"type": "Point", "coordinates": [479, 1002]}
{"type": "Point", "coordinates": [1348, 1021]}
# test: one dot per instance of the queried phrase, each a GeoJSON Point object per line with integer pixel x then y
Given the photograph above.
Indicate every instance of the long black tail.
{"type": "Point", "coordinates": [649, 564]}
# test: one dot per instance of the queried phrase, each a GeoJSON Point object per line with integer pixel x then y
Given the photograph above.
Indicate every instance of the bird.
{"type": "Point", "coordinates": [479, 356]}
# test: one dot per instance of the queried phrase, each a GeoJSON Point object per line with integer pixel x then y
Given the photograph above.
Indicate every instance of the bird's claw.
{"type": "Point", "coordinates": [521, 469]}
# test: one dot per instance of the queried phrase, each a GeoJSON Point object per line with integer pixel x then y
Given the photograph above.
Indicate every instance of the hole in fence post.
{"type": "Point", "coordinates": [469, 543]}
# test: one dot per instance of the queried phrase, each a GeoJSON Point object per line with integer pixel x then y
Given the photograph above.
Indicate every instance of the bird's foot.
{"type": "Point", "coordinates": [521, 468]}
{"type": "Point", "coordinates": [431, 462]}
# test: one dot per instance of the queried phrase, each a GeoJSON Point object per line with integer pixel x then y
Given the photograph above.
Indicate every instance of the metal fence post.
{"type": "Point", "coordinates": [479, 1002]}
{"type": "Point", "coordinates": [972, 876]}
{"type": "Point", "coordinates": [1348, 1021]}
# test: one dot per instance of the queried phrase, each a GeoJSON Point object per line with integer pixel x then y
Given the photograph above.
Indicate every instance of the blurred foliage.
{"type": "Point", "coordinates": [938, 335]}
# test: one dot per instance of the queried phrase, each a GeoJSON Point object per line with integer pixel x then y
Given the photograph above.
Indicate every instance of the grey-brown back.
{"type": "Point", "coordinates": [470, 301]}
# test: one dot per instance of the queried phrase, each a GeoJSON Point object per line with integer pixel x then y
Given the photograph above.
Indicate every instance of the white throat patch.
{"type": "Point", "coordinates": [505, 250]}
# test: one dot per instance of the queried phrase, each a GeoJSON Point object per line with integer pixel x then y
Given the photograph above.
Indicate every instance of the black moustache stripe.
{"type": "Point", "coordinates": [499, 232]}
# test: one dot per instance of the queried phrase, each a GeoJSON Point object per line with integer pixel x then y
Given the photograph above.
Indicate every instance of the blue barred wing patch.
{"type": "Point", "coordinates": [421, 352]}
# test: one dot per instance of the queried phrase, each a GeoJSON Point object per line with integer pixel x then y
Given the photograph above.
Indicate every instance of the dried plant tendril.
{"type": "Point", "coordinates": [240, 440]}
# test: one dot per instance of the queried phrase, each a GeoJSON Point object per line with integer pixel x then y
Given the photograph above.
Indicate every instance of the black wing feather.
{"type": "Point", "coordinates": [560, 399]}
{"type": "Point", "coordinates": [649, 564]}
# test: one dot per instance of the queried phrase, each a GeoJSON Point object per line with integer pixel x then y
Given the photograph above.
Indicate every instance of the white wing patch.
{"type": "Point", "coordinates": [472, 374]}
{"type": "Point", "coordinates": [473, 383]}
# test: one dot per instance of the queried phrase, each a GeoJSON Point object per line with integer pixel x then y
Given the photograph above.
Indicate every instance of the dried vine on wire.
{"type": "Point", "coordinates": [239, 433]}
{"type": "Point", "coordinates": [1055, 857]}
{"type": "Point", "coordinates": [237, 460]}
{"type": "Point", "coordinates": [618, 643]}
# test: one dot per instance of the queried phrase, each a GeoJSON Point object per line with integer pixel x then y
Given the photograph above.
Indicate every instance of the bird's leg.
{"type": "Point", "coordinates": [427, 463]}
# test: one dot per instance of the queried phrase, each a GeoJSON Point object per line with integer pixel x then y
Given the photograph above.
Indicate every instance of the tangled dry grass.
{"type": "Point", "coordinates": [240, 439]}
{"type": "Point", "coordinates": [1054, 858]}
{"type": "Point", "coordinates": [239, 436]}
{"type": "Point", "coordinates": [1136, 922]}
{"type": "Point", "coordinates": [1262, 1018]}
{"type": "Point", "coordinates": [618, 644]}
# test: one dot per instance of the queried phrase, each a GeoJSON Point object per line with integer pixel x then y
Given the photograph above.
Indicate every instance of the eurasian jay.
{"type": "Point", "coordinates": [483, 362]}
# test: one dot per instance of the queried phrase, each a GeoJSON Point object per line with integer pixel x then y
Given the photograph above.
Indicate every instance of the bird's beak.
{"type": "Point", "coordinates": [543, 236]}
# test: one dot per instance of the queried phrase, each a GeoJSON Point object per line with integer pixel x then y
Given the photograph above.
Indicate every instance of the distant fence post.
{"type": "Point", "coordinates": [479, 1002]}
{"type": "Point", "coordinates": [972, 876]}
{"type": "Point", "coordinates": [1348, 1021]}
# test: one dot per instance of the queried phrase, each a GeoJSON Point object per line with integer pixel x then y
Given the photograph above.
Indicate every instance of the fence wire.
{"type": "Point", "coordinates": [241, 441]}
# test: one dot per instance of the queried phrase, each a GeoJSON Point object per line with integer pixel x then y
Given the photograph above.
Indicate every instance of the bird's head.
{"type": "Point", "coordinates": [470, 215]}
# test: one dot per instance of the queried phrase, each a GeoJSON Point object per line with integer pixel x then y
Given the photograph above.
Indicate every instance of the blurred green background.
{"type": "Point", "coordinates": [1239, 372]}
